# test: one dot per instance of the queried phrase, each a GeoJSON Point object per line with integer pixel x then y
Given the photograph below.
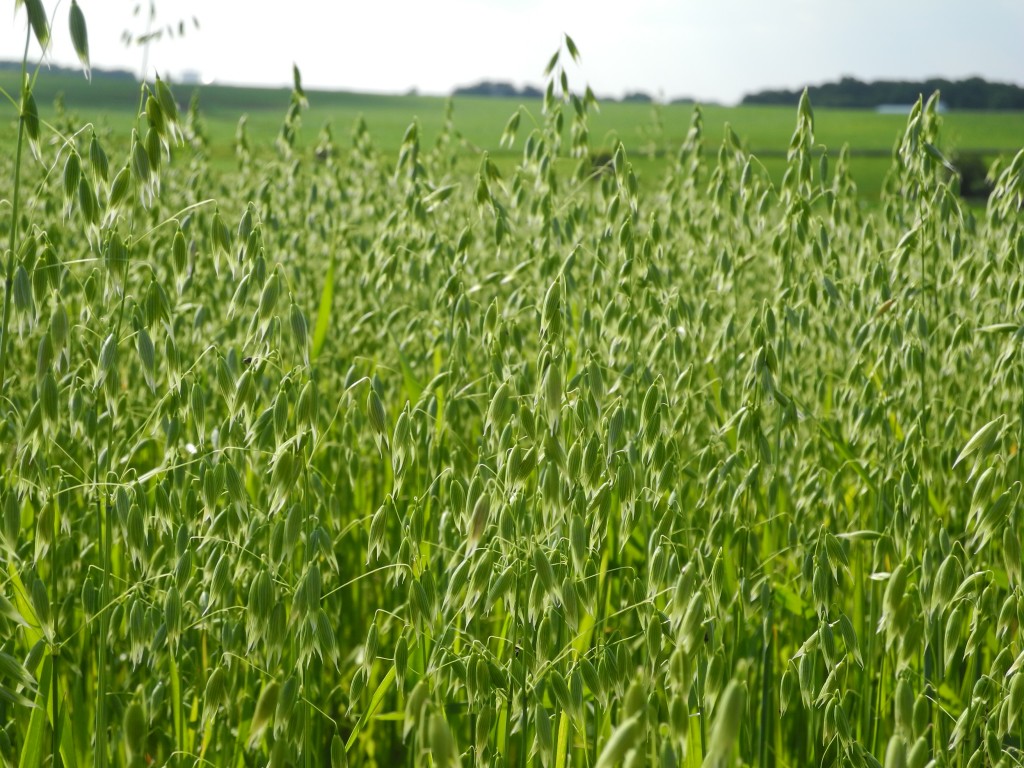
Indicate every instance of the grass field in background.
{"type": "Point", "coordinates": [764, 131]}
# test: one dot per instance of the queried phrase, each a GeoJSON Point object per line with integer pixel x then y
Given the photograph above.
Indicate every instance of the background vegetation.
{"type": "Point", "coordinates": [650, 132]}
{"type": "Point", "coordinates": [974, 93]}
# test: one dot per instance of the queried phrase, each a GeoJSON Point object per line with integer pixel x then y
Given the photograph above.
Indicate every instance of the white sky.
{"type": "Point", "coordinates": [714, 50]}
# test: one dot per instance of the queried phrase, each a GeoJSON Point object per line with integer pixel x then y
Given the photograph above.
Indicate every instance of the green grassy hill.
{"type": "Point", "coordinates": [643, 128]}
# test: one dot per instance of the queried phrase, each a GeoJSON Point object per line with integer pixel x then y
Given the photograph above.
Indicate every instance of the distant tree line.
{"type": "Point", "coordinates": [113, 74]}
{"type": "Point", "coordinates": [508, 90]}
{"type": "Point", "coordinates": [972, 93]}
{"type": "Point", "coordinates": [499, 89]}
{"type": "Point", "coordinates": [635, 97]}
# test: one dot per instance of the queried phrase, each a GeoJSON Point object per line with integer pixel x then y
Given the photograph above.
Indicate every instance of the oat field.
{"type": "Point", "coordinates": [341, 460]}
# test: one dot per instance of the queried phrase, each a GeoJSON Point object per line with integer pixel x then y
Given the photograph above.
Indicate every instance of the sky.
{"type": "Point", "coordinates": [711, 50]}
